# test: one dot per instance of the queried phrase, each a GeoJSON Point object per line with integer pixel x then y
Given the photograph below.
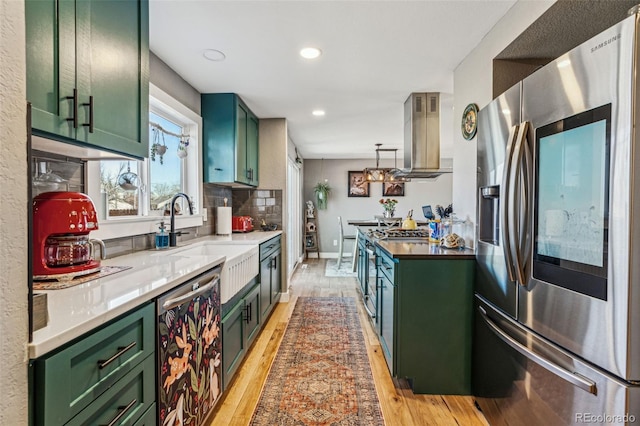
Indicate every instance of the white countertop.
{"type": "Point", "coordinates": [77, 310]}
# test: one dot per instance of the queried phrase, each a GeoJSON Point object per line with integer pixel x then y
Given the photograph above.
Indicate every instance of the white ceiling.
{"type": "Point", "coordinates": [375, 53]}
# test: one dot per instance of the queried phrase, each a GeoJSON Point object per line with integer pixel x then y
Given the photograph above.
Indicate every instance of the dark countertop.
{"type": "Point", "coordinates": [417, 249]}
{"type": "Point", "coordinates": [399, 249]}
{"type": "Point", "coordinates": [374, 222]}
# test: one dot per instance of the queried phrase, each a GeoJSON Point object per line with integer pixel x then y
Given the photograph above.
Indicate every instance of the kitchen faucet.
{"type": "Point", "coordinates": [172, 231]}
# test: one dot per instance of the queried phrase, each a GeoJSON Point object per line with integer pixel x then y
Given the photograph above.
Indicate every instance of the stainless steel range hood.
{"type": "Point", "coordinates": [422, 137]}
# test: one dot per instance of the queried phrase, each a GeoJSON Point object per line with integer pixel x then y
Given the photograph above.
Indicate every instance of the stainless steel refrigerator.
{"type": "Point", "coordinates": [557, 331]}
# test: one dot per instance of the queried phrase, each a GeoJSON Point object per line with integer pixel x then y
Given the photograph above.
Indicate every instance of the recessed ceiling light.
{"type": "Point", "coordinates": [310, 52]}
{"type": "Point", "coordinates": [318, 112]}
{"type": "Point", "coordinates": [214, 55]}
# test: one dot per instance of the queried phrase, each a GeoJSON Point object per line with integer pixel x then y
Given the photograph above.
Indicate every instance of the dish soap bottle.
{"type": "Point", "coordinates": [162, 238]}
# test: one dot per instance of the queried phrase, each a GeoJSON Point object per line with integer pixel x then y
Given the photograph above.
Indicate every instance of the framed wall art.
{"type": "Point", "coordinates": [392, 189]}
{"type": "Point", "coordinates": [357, 184]}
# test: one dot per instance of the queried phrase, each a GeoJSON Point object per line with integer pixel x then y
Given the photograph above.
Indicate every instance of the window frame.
{"type": "Point", "coordinates": [163, 103]}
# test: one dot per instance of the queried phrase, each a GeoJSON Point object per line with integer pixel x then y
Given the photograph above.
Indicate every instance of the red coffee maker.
{"type": "Point", "coordinates": [62, 249]}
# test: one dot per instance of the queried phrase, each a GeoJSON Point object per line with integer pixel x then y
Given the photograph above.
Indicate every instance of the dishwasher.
{"type": "Point", "coordinates": [189, 350]}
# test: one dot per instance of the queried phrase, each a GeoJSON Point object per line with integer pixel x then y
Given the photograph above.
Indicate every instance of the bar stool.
{"type": "Point", "coordinates": [341, 240]}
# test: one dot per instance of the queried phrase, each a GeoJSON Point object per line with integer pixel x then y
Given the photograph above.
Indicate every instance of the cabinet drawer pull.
{"type": "Point", "coordinates": [90, 123]}
{"type": "Point", "coordinates": [122, 412]}
{"type": "Point", "coordinates": [121, 350]}
{"type": "Point", "coordinates": [74, 109]}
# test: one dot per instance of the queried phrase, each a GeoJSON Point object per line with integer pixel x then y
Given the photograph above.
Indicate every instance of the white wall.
{"type": "Point", "coordinates": [417, 194]}
{"type": "Point", "coordinates": [472, 82]}
{"type": "Point", "coordinates": [13, 225]}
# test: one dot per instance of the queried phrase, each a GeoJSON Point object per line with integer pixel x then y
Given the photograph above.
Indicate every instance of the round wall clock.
{"type": "Point", "coordinates": [469, 121]}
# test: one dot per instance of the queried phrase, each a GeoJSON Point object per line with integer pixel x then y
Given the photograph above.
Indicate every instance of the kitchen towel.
{"type": "Point", "coordinates": [223, 221]}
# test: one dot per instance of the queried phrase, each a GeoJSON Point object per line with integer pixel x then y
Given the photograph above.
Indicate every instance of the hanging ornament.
{"type": "Point", "coordinates": [129, 180]}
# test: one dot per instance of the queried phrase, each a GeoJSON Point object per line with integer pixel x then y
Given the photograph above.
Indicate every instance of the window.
{"type": "Point", "coordinates": [121, 188]}
{"type": "Point", "coordinates": [167, 152]}
{"type": "Point", "coordinates": [133, 192]}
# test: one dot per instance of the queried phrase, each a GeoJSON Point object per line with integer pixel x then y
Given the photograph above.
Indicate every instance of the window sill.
{"type": "Point", "coordinates": [118, 228]}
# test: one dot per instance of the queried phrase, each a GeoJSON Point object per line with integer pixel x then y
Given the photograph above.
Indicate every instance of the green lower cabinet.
{"type": "Point", "coordinates": [386, 320]}
{"type": "Point", "coordinates": [124, 403]}
{"type": "Point", "coordinates": [429, 340]}
{"type": "Point", "coordinates": [240, 327]}
{"type": "Point", "coordinates": [252, 313]}
{"type": "Point", "coordinates": [270, 275]}
{"type": "Point", "coordinates": [148, 418]}
{"type": "Point", "coordinates": [113, 366]}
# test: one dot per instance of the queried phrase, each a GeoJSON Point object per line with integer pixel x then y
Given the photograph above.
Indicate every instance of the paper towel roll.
{"type": "Point", "coordinates": [223, 221]}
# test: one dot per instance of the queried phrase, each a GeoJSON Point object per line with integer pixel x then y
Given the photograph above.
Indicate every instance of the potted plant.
{"type": "Point", "coordinates": [158, 148]}
{"type": "Point", "coordinates": [322, 191]}
{"type": "Point", "coordinates": [389, 206]}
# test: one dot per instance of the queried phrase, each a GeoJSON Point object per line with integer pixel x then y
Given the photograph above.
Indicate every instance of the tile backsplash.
{"type": "Point", "coordinates": [259, 204]}
{"type": "Point", "coordinates": [213, 197]}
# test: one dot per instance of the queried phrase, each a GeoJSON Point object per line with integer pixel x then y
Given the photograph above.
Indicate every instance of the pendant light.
{"type": "Point", "coordinates": [383, 174]}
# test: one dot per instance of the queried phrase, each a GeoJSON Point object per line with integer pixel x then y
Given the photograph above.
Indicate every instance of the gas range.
{"type": "Point", "coordinates": [399, 234]}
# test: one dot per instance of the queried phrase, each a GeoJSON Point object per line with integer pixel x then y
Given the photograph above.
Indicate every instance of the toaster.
{"type": "Point", "coordinates": [241, 224]}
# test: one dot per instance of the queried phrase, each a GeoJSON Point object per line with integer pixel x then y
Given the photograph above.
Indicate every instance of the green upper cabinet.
{"type": "Point", "coordinates": [252, 149]}
{"type": "Point", "coordinates": [230, 146]}
{"type": "Point", "coordinates": [88, 72]}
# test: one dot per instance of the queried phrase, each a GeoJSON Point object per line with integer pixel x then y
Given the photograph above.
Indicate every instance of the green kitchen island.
{"type": "Point", "coordinates": [424, 314]}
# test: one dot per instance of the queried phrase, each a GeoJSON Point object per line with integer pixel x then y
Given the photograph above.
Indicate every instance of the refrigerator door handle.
{"type": "Point", "coordinates": [524, 246]}
{"type": "Point", "coordinates": [520, 202]}
{"type": "Point", "coordinates": [505, 204]}
{"type": "Point", "coordinates": [574, 378]}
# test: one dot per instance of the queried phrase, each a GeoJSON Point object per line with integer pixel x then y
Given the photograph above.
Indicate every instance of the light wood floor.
{"type": "Point", "coordinates": [399, 405]}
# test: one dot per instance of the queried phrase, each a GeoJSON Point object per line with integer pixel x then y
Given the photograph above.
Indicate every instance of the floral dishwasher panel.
{"type": "Point", "coordinates": [190, 360]}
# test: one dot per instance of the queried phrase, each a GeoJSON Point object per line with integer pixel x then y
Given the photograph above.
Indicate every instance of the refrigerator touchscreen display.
{"type": "Point", "coordinates": [572, 197]}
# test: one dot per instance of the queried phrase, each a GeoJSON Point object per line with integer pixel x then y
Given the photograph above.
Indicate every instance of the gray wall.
{"type": "Point", "coordinates": [273, 153]}
{"type": "Point", "coordinates": [273, 181]}
{"type": "Point", "coordinates": [14, 253]}
{"type": "Point", "coordinates": [170, 82]}
{"type": "Point", "coordinates": [417, 194]}
{"type": "Point", "coordinates": [472, 80]}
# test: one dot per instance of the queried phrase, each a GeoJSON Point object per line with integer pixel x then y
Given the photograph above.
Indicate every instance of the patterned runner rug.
{"type": "Point", "coordinates": [321, 373]}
